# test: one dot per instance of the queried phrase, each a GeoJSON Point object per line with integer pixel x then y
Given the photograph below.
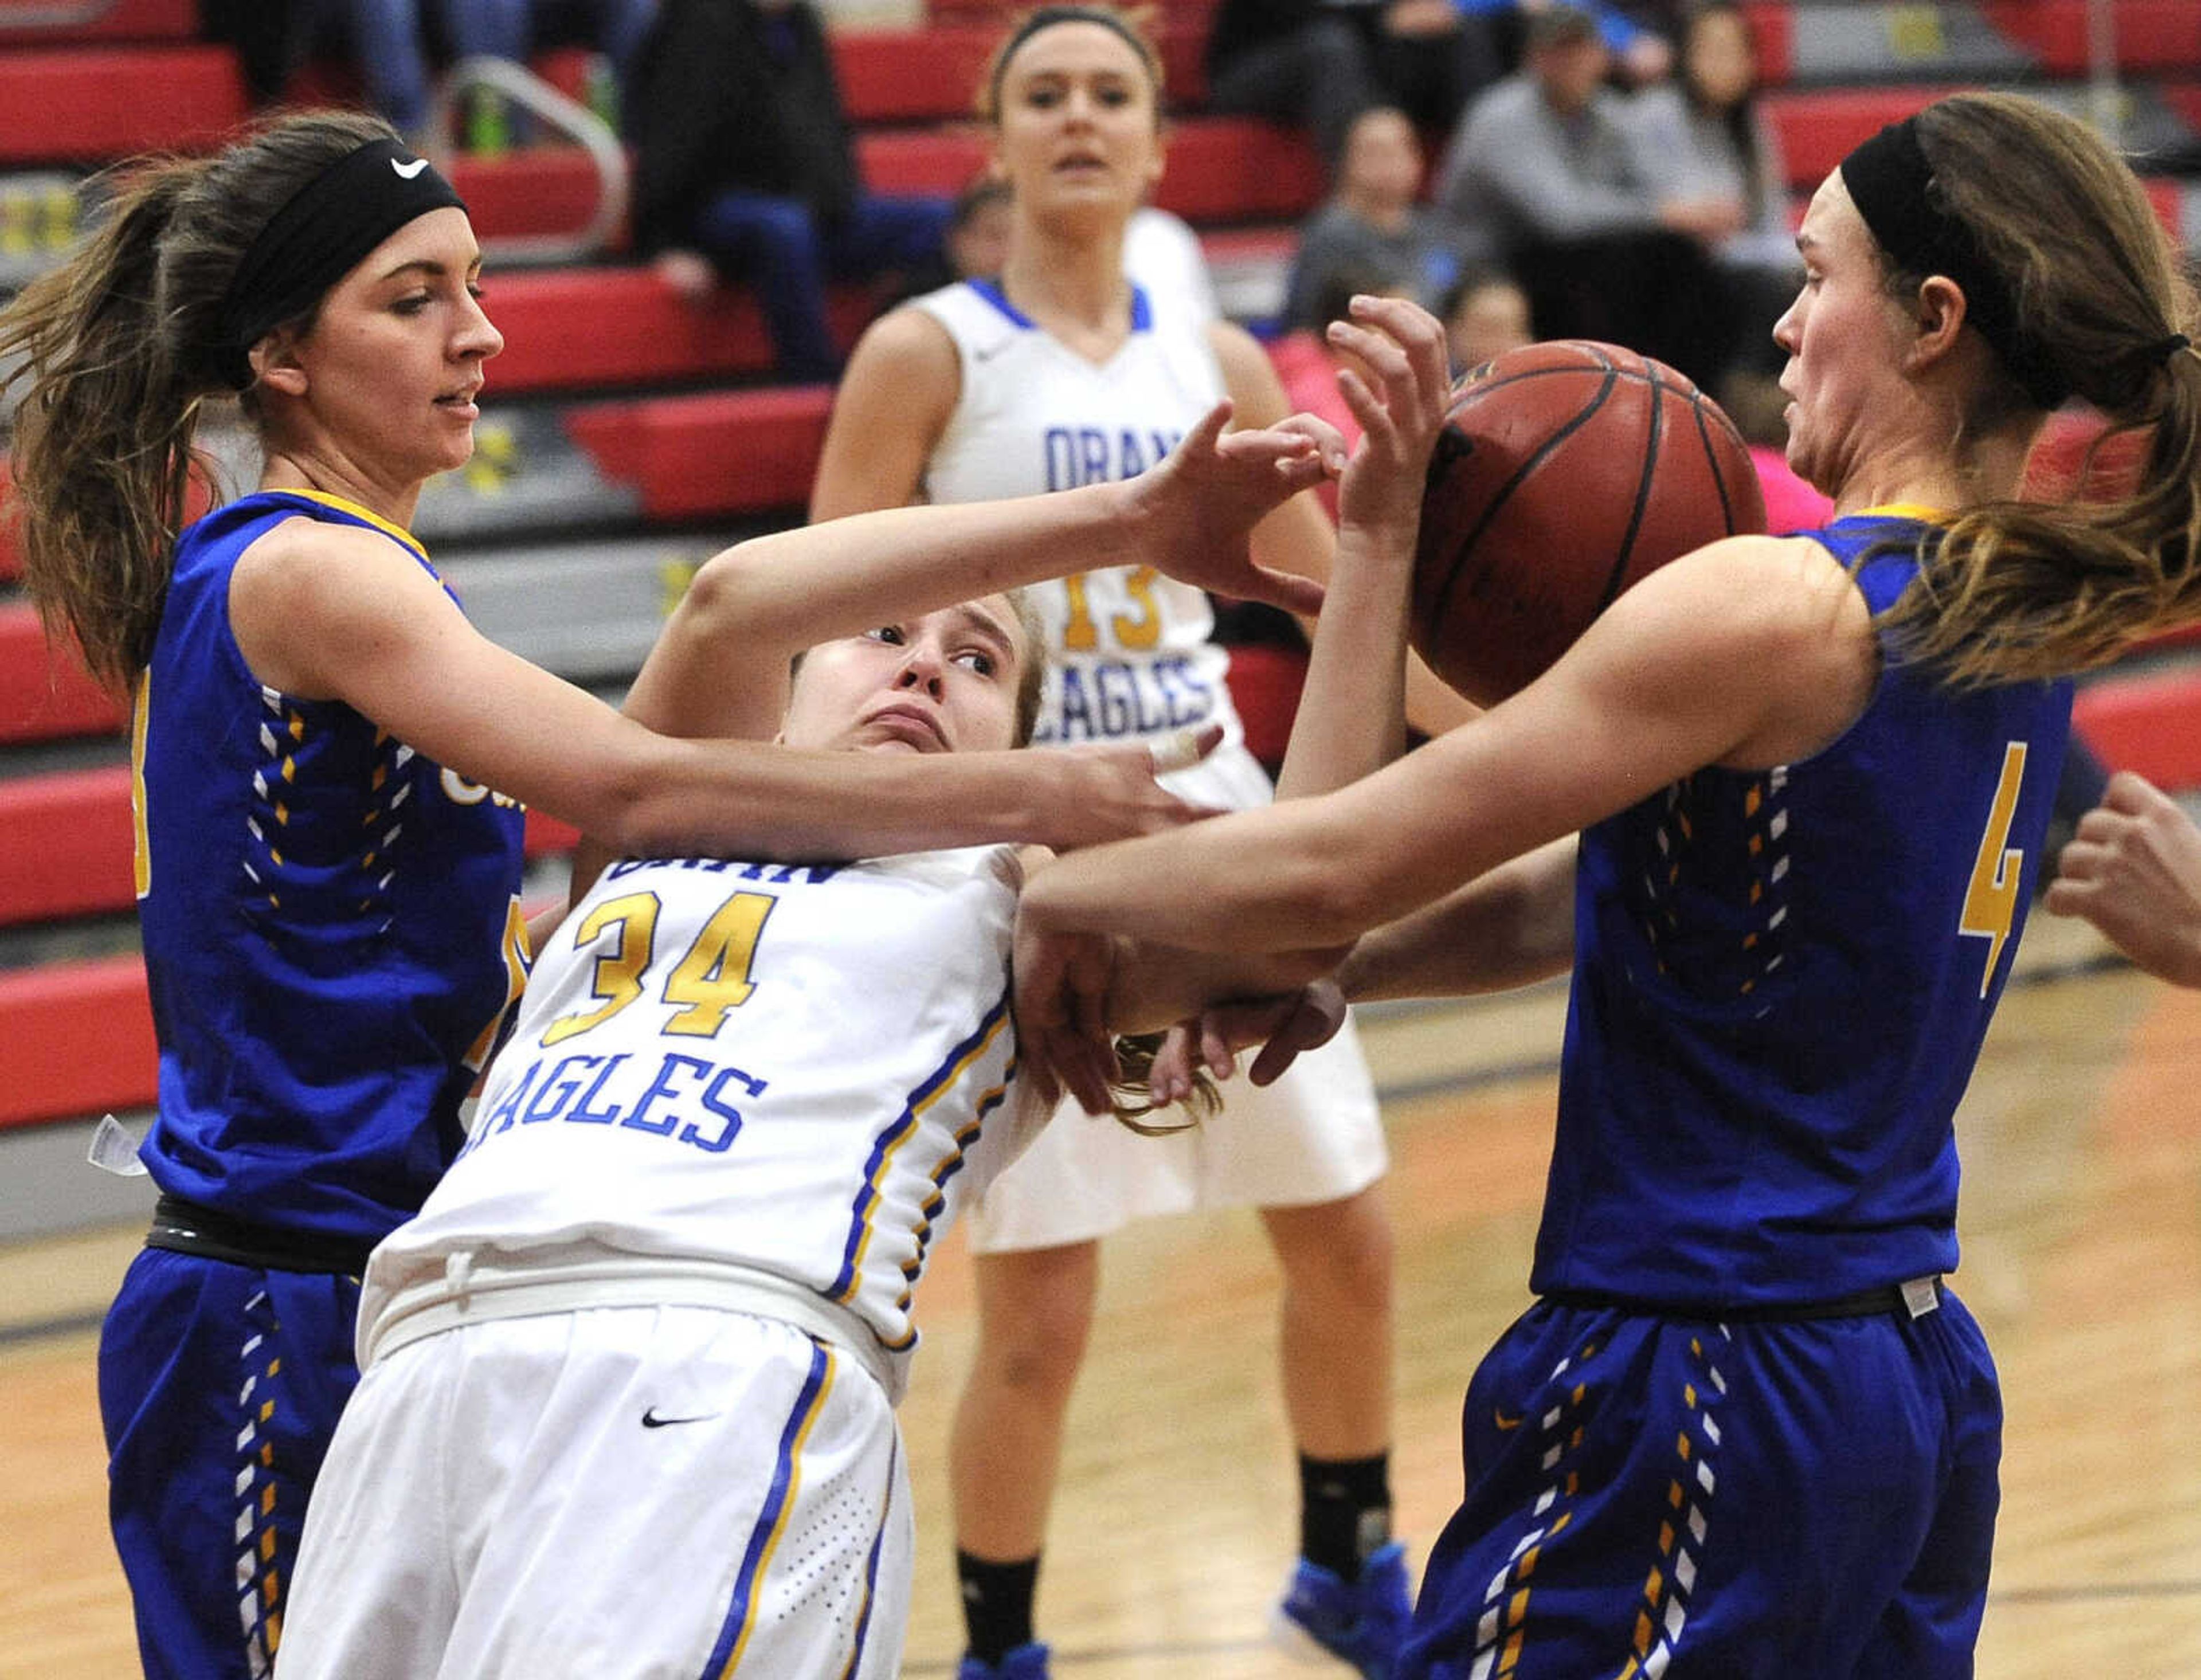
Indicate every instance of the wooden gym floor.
{"type": "Point", "coordinates": [1175, 1524]}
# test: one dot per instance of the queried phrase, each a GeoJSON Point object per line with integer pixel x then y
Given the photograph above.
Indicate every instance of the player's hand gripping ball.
{"type": "Point", "coordinates": [1565, 472]}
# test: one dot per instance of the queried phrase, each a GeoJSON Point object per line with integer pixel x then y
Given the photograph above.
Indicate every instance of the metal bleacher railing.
{"type": "Point", "coordinates": [547, 107]}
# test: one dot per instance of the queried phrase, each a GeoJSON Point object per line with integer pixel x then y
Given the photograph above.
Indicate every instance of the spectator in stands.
{"type": "Point", "coordinates": [513, 29]}
{"type": "Point", "coordinates": [1642, 45]}
{"type": "Point", "coordinates": [1373, 225]}
{"type": "Point", "coordinates": [1709, 142]}
{"type": "Point", "coordinates": [2133, 869]}
{"type": "Point", "coordinates": [329, 762]}
{"type": "Point", "coordinates": [1318, 64]}
{"type": "Point", "coordinates": [745, 169]}
{"type": "Point", "coordinates": [1485, 315]}
{"type": "Point", "coordinates": [978, 234]}
{"type": "Point", "coordinates": [382, 38]}
{"type": "Point", "coordinates": [1545, 175]}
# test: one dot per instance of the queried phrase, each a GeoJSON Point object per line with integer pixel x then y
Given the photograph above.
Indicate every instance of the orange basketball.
{"type": "Point", "coordinates": [1566, 471]}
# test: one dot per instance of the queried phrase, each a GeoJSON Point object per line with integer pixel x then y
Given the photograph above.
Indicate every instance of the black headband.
{"type": "Point", "coordinates": [1890, 181]}
{"type": "Point", "coordinates": [1046, 18]}
{"type": "Point", "coordinates": [320, 235]}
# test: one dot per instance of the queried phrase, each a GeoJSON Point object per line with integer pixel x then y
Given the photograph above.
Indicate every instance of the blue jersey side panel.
{"type": "Point", "coordinates": [1781, 982]}
{"type": "Point", "coordinates": [325, 917]}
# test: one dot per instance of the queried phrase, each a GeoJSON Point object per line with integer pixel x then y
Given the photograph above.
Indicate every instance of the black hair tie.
{"type": "Point", "coordinates": [2162, 350]}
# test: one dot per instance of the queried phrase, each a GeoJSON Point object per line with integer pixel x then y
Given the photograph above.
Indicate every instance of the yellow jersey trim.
{"type": "Point", "coordinates": [1904, 510]}
{"type": "Point", "coordinates": [342, 505]}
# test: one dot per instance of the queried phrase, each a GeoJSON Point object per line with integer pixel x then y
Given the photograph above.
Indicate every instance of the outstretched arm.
{"type": "Point", "coordinates": [1351, 719]}
{"type": "Point", "coordinates": [1188, 517]}
{"type": "Point", "coordinates": [1299, 536]}
{"type": "Point", "coordinates": [1754, 651]}
{"type": "Point", "coordinates": [2133, 869]}
{"type": "Point", "coordinates": [339, 613]}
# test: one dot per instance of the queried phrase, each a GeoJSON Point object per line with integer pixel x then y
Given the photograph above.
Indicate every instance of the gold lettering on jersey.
{"type": "Point", "coordinates": [141, 849]}
{"type": "Point", "coordinates": [1991, 899]}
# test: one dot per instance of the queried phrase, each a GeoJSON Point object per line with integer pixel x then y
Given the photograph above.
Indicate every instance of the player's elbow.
{"type": "Point", "coordinates": [1332, 900]}
{"type": "Point", "coordinates": [643, 800]}
{"type": "Point", "coordinates": [725, 596]}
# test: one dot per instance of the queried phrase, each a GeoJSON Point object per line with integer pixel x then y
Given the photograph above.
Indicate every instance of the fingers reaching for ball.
{"type": "Point", "coordinates": [1397, 385]}
{"type": "Point", "coordinates": [1405, 345]}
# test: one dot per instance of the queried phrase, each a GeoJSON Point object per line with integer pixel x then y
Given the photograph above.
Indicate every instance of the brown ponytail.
{"type": "Point", "coordinates": [2023, 590]}
{"type": "Point", "coordinates": [119, 352]}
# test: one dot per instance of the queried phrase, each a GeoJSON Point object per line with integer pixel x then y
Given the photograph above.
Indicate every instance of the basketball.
{"type": "Point", "coordinates": [1565, 472]}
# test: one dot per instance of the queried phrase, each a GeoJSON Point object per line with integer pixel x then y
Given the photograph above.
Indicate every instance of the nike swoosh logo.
{"type": "Point", "coordinates": [406, 171]}
{"type": "Point", "coordinates": [651, 1420]}
{"type": "Point", "coordinates": [1497, 1417]}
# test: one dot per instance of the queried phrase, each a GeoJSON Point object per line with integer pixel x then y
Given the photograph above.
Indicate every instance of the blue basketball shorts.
{"type": "Point", "coordinates": [219, 1386]}
{"type": "Point", "coordinates": [1655, 1497]}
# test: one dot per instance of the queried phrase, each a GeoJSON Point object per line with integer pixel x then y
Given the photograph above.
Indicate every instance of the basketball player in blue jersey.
{"type": "Point", "coordinates": [1748, 1430]}
{"type": "Point", "coordinates": [1059, 374]}
{"type": "Point", "coordinates": [329, 763]}
{"type": "Point", "coordinates": [660, 1307]}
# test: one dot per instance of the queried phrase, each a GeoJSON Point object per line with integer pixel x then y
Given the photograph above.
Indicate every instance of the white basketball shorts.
{"type": "Point", "coordinates": [628, 1491]}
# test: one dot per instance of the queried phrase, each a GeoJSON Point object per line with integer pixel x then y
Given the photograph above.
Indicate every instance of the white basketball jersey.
{"type": "Point", "coordinates": [1131, 654]}
{"type": "Point", "coordinates": [796, 1070]}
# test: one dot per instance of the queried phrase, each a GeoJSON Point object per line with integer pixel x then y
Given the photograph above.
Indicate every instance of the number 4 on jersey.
{"type": "Point", "coordinates": [1990, 900]}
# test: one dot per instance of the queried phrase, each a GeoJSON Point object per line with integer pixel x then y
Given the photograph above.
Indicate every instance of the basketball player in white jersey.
{"type": "Point", "coordinates": [1063, 373]}
{"type": "Point", "coordinates": [630, 1375]}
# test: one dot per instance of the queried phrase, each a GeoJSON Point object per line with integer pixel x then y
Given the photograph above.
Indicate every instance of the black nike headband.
{"type": "Point", "coordinates": [1891, 182]}
{"type": "Point", "coordinates": [320, 235]}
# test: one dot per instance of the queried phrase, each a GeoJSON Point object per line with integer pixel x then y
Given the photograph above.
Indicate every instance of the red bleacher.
{"type": "Point", "coordinates": [1818, 127]}
{"type": "Point", "coordinates": [79, 1040]}
{"type": "Point", "coordinates": [2149, 722]}
{"type": "Point", "coordinates": [77, 104]}
{"type": "Point", "coordinates": [578, 329]}
{"type": "Point", "coordinates": [2149, 35]}
{"type": "Point", "coordinates": [39, 21]}
{"type": "Point", "coordinates": [45, 696]}
{"type": "Point", "coordinates": [713, 454]}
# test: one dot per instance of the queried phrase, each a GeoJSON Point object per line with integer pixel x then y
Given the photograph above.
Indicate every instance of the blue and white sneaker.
{"type": "Point", "coordinates": [1360, 1623]}
{"type": "Point", "coordinates": [1020, 1662]}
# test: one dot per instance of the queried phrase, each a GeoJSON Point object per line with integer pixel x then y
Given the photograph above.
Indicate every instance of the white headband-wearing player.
{"type": "Point", "coordinates": [630, 1375]}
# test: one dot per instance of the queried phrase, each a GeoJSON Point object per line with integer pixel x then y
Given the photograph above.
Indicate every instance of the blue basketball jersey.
{"type": "Point", "coordinates": [1781, 982]}
{"type": "Point", "coordinates": [332, 922]}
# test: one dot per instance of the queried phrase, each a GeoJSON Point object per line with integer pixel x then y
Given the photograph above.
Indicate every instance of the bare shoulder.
{"type": "Point", "coordinates": [304, 563]}
{"type": "Point", "coordinates": [910, 347]}
{"type": "Point", "coordinates": [308, 591]}
{"type": "Point", "coordinates": [894, 401]}
{"type": "Point", "coordinates": [1759, 589]}
{"type": "Point", "coordinates": [1784, 616]}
